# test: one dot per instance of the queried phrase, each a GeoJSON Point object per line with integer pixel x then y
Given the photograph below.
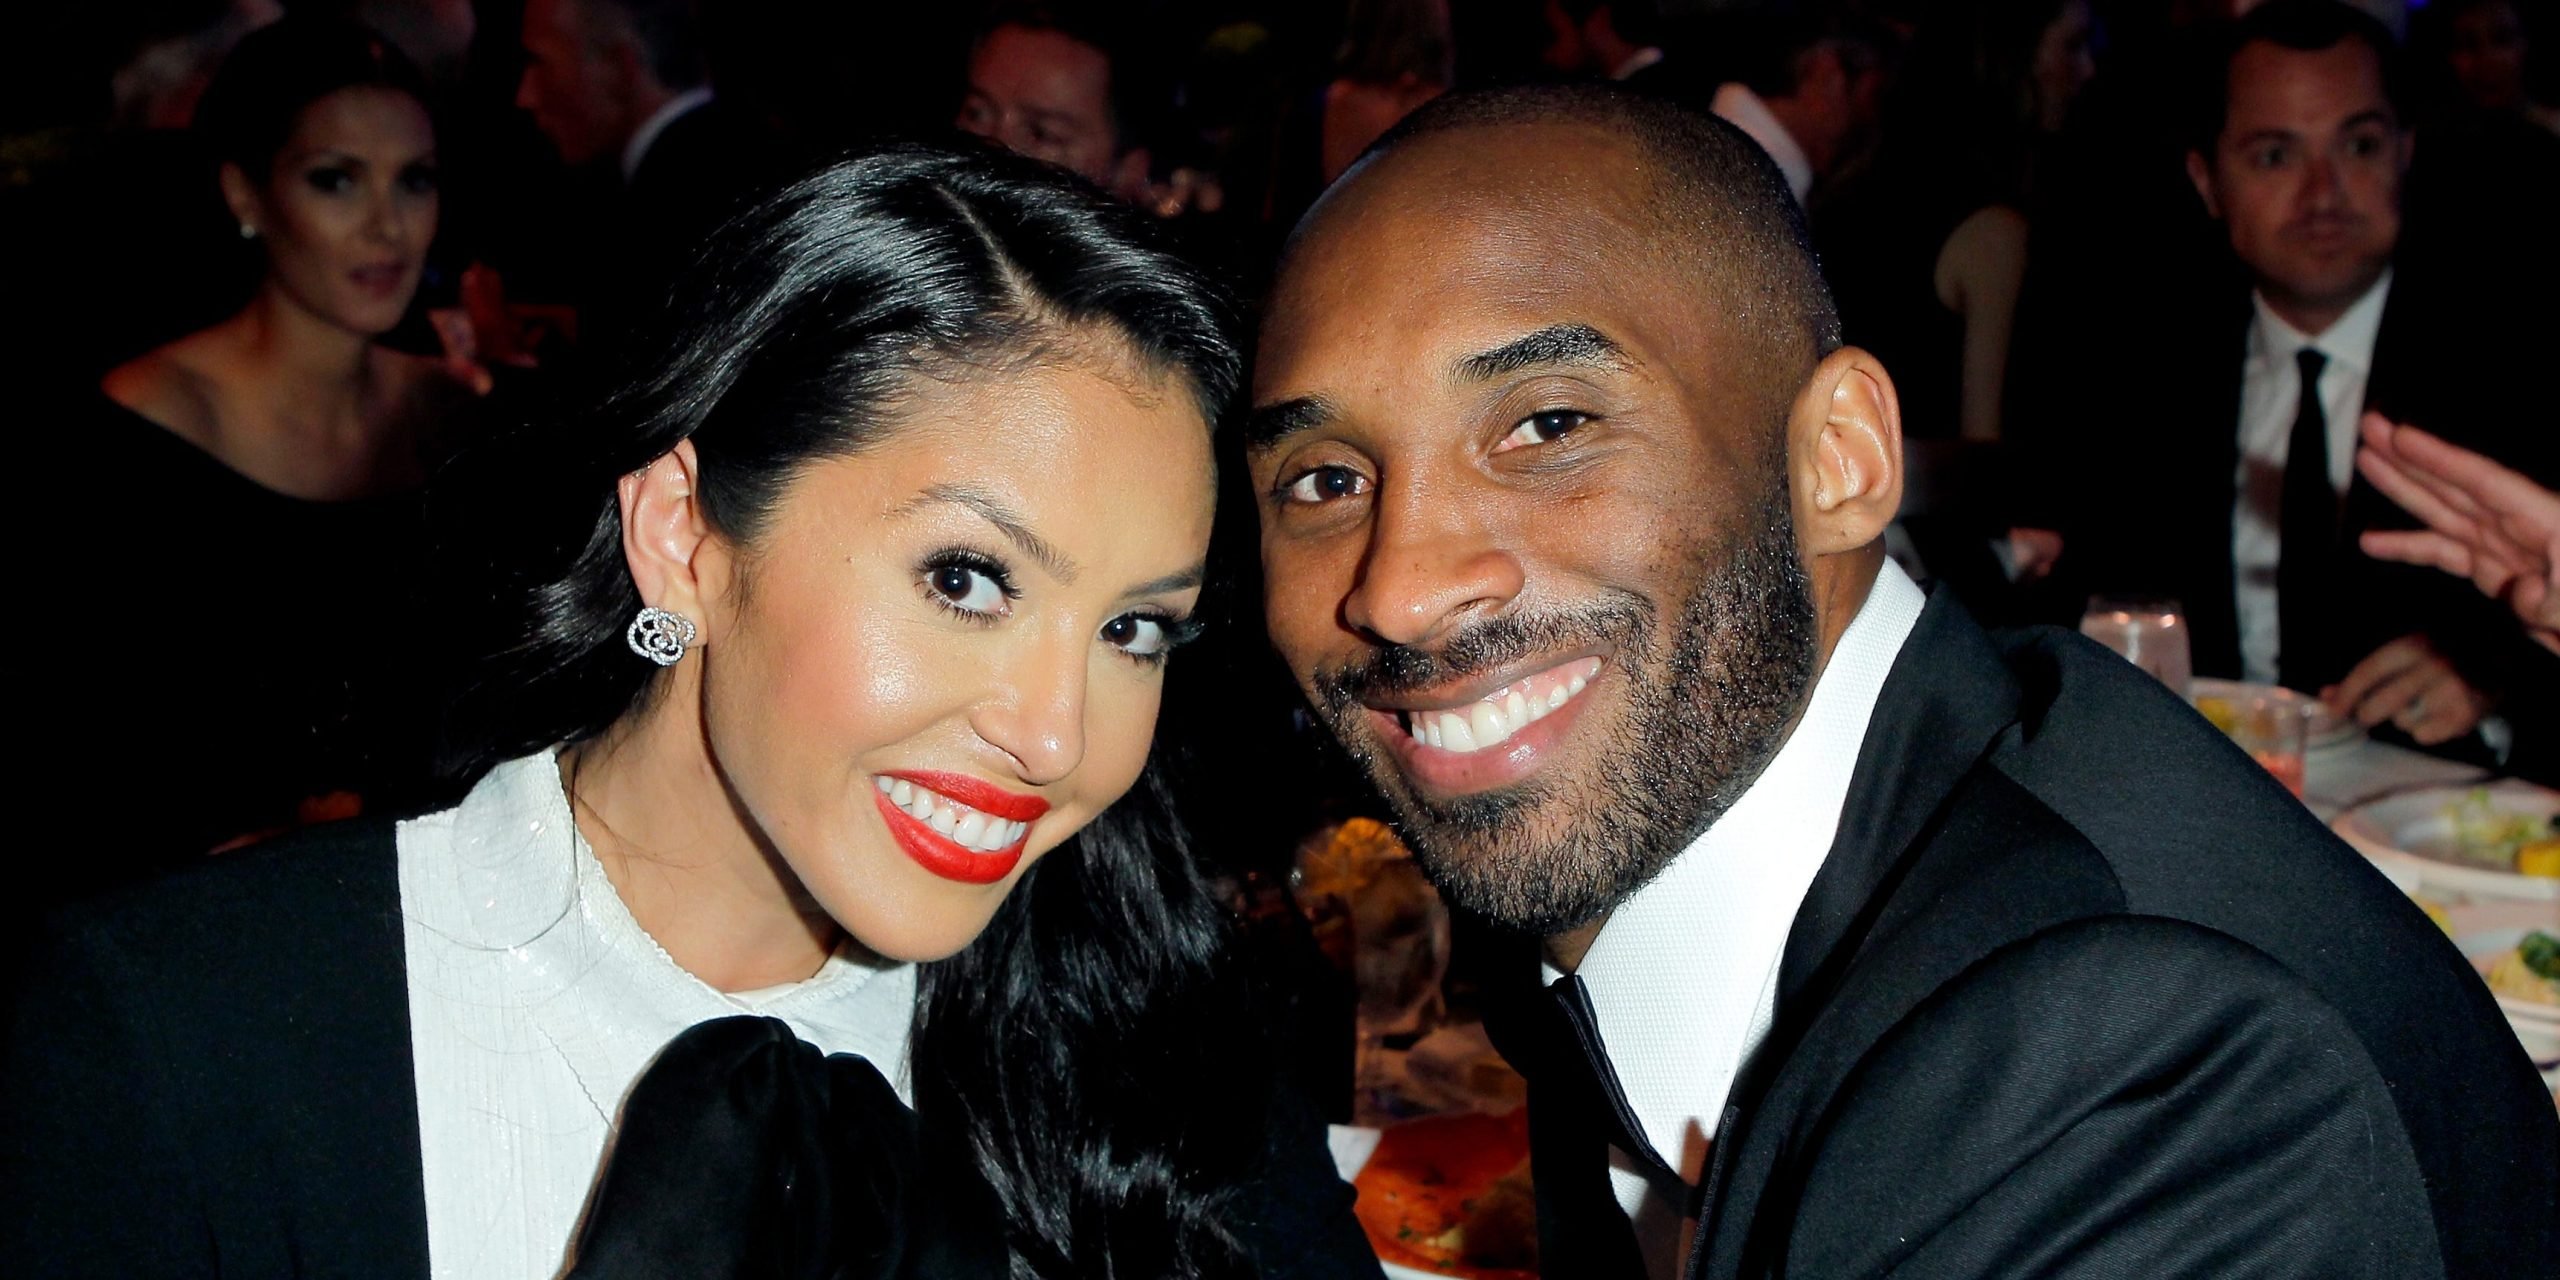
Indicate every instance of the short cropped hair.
{"type": "Point", "coordinates": [1137, 93]}
{"type": "Point", "coordinates": [669, 33]}
{"type": "Point", "coordinates": [2305, 26]}
{"type": "Point", "coordinates": [1720, 208]}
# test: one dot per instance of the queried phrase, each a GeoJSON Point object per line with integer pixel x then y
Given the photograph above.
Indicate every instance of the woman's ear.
{"type": "Point", "coordinates": [1845, 449]}
{"type": "Point", "coordinates": [242, 196]}
{"type": "Point", "coordinates": [667, 540]}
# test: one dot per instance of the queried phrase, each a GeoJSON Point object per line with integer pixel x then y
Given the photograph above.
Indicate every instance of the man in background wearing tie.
{"type": "Point", "coordinates": [1871, 943]}
{"type": "Point", "coordinates": [2228, 447]}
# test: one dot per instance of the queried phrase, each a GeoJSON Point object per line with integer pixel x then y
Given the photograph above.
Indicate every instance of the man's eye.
{"type": "Point", "coordinates": [2269, 157]}
{"type": "Point", "coordinates": [1542, 428]}
{"type": "Point", "coordinates": [1324, 484]}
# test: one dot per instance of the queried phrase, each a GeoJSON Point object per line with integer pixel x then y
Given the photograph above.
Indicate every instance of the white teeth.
{"type": "Point", "coordinates": [962, 825]}
{"type": "Point", "coordinates": [1493, 720]}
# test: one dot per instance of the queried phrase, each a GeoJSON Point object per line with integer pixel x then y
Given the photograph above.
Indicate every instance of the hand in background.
{"type": "Point", "coordinates": [2411, 685]}
{"type": "Point", "coordinates": [2484, 521]}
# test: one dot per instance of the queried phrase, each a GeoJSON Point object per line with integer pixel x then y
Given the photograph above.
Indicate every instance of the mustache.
{"type": "Point", "coordinates": [1482, 647]}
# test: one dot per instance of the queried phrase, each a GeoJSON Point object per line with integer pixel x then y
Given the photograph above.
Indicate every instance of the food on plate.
{"type": "Point", "coordinates": [1451, 1195]}
{"type": "Point", "coordinates": [2540, 858]}
{"type": "Point", "coordinates": [2485, 834]}
{"type": "Point", "coordinates": [2220, 711]}
{"type": "Point", "coordinates": [2529, 971]}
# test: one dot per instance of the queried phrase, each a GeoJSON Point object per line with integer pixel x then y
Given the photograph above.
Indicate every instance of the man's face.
{"type": "Point", "coordinates": [2306, 173]}
{"type": "Point", "coordinates": [1046, 95]}
{"type": "Point", "coordinates": [1525, 520]}
{"type": "Point", "coordinates": [570, 86]}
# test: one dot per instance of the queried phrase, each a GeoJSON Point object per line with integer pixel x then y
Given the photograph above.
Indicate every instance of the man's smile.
{"type": "Point", "coordinates": [1485, 736]}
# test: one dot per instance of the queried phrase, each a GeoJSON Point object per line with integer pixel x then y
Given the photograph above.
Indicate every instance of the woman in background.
{"type": "Point", "coordinates": [249, 654]}
{"type": "Point", "coordinates": [828, 654]}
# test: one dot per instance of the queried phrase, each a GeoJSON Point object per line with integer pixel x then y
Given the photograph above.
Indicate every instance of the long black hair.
{"type": "Point", "coordinates": [1060, 1043]}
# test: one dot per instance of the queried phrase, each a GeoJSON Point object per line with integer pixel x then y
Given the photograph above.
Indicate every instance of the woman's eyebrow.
{"type": "Point", "coordinates": [1181, 581]}
{"type": "Point", "coordinates": [1007, 521]}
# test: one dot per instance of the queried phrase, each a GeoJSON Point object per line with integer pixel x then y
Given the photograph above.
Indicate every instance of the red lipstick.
{"type": "Point", "coordinates": [942, 855]}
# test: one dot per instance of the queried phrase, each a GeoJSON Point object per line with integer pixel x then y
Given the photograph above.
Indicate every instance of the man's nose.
{"type": "Point", "coordinates": [526, 98]}
{"type": "Point", "coordinates": [1035, 711]}
{"type": "Point", "coordinates": [1430, 567]}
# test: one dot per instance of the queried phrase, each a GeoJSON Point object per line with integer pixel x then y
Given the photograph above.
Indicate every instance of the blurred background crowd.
{"type": "Point", "coordinates": [268, 263]}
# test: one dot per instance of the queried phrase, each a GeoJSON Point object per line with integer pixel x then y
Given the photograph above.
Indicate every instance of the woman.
{"type": "Point", "coordinates": [1929, 263]}
{"type": "Point", "coordinates": [243, 657]}
{"type": "Point", "coordinates": [838, 635]}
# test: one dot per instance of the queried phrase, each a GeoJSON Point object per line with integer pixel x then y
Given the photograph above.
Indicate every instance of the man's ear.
{"type": "Point", "coordinates": [241, 195]}
{"type": "Point", "coordinates": [1844, 453]}
{"type": "Point", "coordinates": [666, 539]}
{"type": "Point", "coordinates": [2200, 172]}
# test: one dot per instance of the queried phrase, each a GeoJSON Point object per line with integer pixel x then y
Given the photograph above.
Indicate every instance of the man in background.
{"type": "Point", "coordinates": [1048, 83]}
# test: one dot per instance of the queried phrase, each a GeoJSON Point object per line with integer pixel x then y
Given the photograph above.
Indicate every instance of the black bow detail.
{"type": "Point", "coordinates": [744, 1152]}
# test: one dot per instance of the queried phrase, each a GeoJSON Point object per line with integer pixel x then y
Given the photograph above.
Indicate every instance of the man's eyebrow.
{"type": "Point", "coordinates": [1270, 424]}
{"type": "Point", "coordinates": [1566, 344]}
{"type": "Point", "coordinates": [1006, 520]}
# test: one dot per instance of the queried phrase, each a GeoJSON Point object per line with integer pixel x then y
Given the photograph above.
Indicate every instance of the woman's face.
{"type": "Point", "coordinates": [348, 208]}
{"type": "Point", "coordinates": [943, 656]}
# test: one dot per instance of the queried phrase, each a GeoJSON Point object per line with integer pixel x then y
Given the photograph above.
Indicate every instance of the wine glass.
{"type": "Point", "coordinates": [2150, 633]}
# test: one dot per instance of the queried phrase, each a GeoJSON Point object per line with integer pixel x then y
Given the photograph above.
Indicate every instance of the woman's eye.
{"type": "Point", "coordinates": [420, 181]}
{"type": "Point", "coordinates": [1325, 484]}
{"type": "Point", "coordinates": [969, 589]}
{"type": "Point", "coordinates": [330, 180]}
{"type": "Point", "coordinates": [1139, 635]}
{"type": "Point", "coordinates": [1541, 428]}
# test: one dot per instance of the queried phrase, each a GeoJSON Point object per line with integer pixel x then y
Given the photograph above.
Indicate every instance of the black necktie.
{"type": "Point", "coordinates": [1577, 1111]}
{"type": "Point", "coordinates": [2307, 556]}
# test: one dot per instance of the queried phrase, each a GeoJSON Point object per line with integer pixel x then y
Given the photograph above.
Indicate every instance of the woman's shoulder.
{"type": "Point", "coordinates": [173, 387]}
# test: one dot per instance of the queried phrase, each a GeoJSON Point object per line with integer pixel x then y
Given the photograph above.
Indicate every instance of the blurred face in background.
{"type": "Point", "coordinates": [348, 207]}
{"type": "Point", "coordinates": [2063, 66]}
{"type": "Point", "coordinates": [2488, 56]}
{"type": "Point", "coordinates": [1047, 95]}
{"type": "Point", "coordinates": [576, 82]}
{"type": "Point", "coordinates": [2306, 175]}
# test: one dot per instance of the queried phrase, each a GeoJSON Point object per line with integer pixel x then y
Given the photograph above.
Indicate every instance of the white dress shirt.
{"type": "Point", "coordinates": [535, 1002]}
{"type": "Point", "coordinates": [1743, 109]}
{"type": "Point", "coordinates": [2270, 395]}
{"type": "Point", "coordinates": [1684, 976]}
{"type": "Point", "coordinates": [646, 136]}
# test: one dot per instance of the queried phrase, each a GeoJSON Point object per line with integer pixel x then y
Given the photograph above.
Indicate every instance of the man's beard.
{"type": "Point", "coordinates": [1708, 703]}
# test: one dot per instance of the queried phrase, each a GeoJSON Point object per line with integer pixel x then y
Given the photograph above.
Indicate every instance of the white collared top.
{"type": "Point", "coordinates": [2270, 395]}
{"type": "Point", "coordinates": [646, 136]}
{"type": "Point", "coordinates": [1684, 976]}
{"type": "Point", "coordinates": [1743, 109]}
{"type": "Point", "coordinates": [535, 1002]}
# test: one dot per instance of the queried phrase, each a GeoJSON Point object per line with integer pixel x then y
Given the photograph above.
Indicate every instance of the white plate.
{"type": "Point", "coordinates": [2414, 830]}
{"type": "Point", "coordinates": [2328, 728]}
{"type": "Point", "coordinates": [2483, 949]}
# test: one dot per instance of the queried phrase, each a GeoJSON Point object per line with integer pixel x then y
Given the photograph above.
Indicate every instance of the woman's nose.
{"type": "Point", "coordinates": [1035, 714]}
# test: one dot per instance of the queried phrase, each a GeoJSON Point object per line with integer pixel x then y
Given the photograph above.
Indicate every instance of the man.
{"type": "Point", "coordinates": [1044, 83]}
{"type": "Point", "coordinates": [2235, 491]}
{"type": "Point", "coordinates": [1613, 39]}
{"type": "Point", "coordinates": [622, 88]}
{"type": "Point", "coordinates": [1811, 91]}
{"type": "Point", "coordinates": [1873, 943]}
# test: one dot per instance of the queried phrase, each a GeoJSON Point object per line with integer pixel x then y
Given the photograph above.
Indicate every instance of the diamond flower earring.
{"type": "Point", "coordinates": [659, 635]}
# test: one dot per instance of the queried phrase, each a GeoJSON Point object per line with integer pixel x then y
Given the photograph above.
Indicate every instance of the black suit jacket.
{"type": "Point", "coordinates": [212, 1076]}
{"type": "Point", "coordinates": [2080, 989]}
{"type": "Point", "coordinates": [2153, 449]}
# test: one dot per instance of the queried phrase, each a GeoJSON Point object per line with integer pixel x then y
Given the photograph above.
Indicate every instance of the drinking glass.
{"type": "Point", "coordinates": [2149, 633]}
{"type": "Point", "coordinates": [2273, 728]}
